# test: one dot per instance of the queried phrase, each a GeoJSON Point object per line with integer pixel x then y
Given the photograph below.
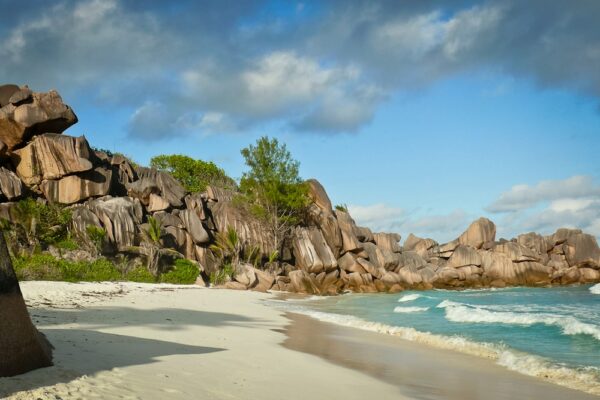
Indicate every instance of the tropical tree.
{"type": "Point", "coordinates": [194, 175]}
{"type": "Point", "coordinates": [228, 246]}
{"type": "Point", "coordinates": [22, 348]}
{"type": "Point", "coordinates": [272, 186]}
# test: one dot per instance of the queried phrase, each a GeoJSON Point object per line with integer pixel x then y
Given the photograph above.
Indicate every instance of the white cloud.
{"type": "Point", "coordinates": [284, 85]}
{"type": "Point", "coordinates": [383, 218]}
{"type": "Point", "coordinates": [376, 216]}
{"type": "Point", "coordinates": [549, 205]}
{"type": "Point", "coordinates": [522, 197]}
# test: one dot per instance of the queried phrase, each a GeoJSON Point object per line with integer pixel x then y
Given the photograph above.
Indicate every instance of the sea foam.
{"type": "Point", "coordinates": [410, 309]}
{"type": "Point", "coordinates": [584, 380]}
{"type": "Point", "coordinates": [595, 289]}
{"type": "Point", "coordinates": [409, 297]}
{"type": "Point", "coordinates": [456, 312]}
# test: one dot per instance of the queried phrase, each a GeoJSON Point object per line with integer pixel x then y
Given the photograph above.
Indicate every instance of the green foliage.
{"type": "Point", "coordinates": [223, 275]}
{"type": "Point", "coordinates": [39, 223]}
{"type": "Point", "coordinates": [253, 256]}
{"type": "Point", "coordinates": [272, 186]}
{"type": "Point", "coordinates": [273, 256]}
{"type": "Point", "coordinates": [154, 231]}
{"type": "Point", "coordinates": [341, 207]}
{"type": "Point", "coordinates": [194, 175]}
{"type": "Point", "coordinates": [183, 272]}
{"type": "Point", "coordinates": [227, 246]}
{"type": "Point", "coordinates": [43, 266]}
{"type": "Point", "coordinates": [97, 236]}
{"type": "Point", "coordinates": [108, 152]}
{"type": "Point", "coordinates": [67, 244]}
{"type": "Point", "coordinates": [46, 267]}
{"type": "Point", "coordinates": [140, 274]}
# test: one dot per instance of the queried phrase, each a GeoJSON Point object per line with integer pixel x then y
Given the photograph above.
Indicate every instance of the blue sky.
{"type": "Point", "coordinates": [420, 116]}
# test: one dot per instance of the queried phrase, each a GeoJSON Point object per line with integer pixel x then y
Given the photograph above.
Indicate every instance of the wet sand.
{"type": "Point", "coordinates": [419, 371]}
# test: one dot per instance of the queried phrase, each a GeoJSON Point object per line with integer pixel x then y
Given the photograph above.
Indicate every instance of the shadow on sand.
{"type": "Point", "coordinates": [85, 351]}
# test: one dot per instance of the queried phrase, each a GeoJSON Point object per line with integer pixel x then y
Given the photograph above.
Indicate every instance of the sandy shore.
{"type": "Point", "coordinates": [141, 341]}
{"type": "Point", "coordinates": [136, 341]}
{"type": "Point", "coordinates": [419, 371]}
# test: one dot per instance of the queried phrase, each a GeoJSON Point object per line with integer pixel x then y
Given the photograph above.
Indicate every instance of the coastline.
{"type": "Point", "coordinates": [419, 371]}
{"type": "Point", "coordinates": [147, 341]}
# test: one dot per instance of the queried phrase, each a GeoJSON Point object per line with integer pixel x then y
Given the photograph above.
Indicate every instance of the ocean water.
{"type": "Point", "coordinates": [551, 333]}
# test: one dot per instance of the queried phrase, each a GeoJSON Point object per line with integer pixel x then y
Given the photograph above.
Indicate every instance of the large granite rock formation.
{"type": "Point", "coordinates": [52, 156]}
{"type": "Point", "coordinates": [24, 116]}
{"type": "Point", "coordinates": [328, 254]}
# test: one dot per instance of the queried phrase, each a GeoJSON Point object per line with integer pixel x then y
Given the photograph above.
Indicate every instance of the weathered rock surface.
{"type": "Point", "coordinates": [347, 228]}
{"type": "Point", "coordinates": [318, 195]}
{"type": "Point", "coordinates": [120, 217]}
{"type": "Point", "coordinates": [52, 156]}
{"type": "Point", "coordinates": [481, 231]}
{"type": "Point", "coordinates": [76, 188]}
{"type": "Point", "coordinates": [193, 224]}
{"type": "Point", "coordinates": [11, 186]}
{"type": "Point", "coordinates": [45, 113]}
{"type": "Point", "coordinates": [388, 241]}
{"type": "Point", "coordinates": [170, 189]}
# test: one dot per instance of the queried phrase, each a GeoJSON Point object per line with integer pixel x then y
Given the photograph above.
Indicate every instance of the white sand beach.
{"type": "Point", "coordinates": [144, 341]}
{"type": "Point", "coordinates": [150, 341]}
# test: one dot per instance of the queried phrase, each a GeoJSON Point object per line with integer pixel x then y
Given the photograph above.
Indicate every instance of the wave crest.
{"type": "Point", "coordinates": [409, 297]}
{"type": "Point", "coordinates": [406, 310]}
{"type": "Point", "coordinates": [457, 312]}
{"type": "Point", "coordinates": [595, 289]}
{"type": "Point", "coordinates": [587, 381]}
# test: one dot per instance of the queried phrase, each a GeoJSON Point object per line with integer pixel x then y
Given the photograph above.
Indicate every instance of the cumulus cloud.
{"type": "Point", "coordinates": [384, 218]}
{"type": "Point", "coordinates": [285, 86]}
{"type": "Point", "coordinates": [219, 66]}
{"type": "Point", "coordinates": [521, 197]}
{"type": "Point", "coordinates": [572, 203]}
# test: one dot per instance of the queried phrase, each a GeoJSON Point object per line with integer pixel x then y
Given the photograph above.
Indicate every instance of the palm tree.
{"type": "Point", "coordinates": [228, 246]}
{"type": "Point", "coordinates": [22, 347]}
{"type": "Point", "coordinates": [152, 246]}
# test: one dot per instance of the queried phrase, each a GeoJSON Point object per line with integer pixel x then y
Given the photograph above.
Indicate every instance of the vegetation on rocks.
{"type": "Point", "coordinates": [194, 175]}
{"type": "Point", "coordinates": [272, 186]}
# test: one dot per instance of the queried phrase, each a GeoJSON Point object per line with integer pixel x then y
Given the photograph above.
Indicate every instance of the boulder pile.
{"type": "Point", "coordinates": [329, 254]}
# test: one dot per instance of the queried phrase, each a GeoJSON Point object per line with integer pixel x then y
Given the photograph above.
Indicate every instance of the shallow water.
{"type": "Point", "coordinates": [552, 333]}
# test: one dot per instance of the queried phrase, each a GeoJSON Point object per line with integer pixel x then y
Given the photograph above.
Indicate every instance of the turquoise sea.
{"type": "Point", "coordinates": [552, 333]}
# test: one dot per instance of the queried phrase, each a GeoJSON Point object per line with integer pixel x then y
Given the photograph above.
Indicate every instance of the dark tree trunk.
{"type": "Point", "coordinates": [22, 347]}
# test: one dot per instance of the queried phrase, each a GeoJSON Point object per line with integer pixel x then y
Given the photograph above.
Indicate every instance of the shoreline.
{"type": "Point", "coordinates": [419, 371]}
{"type": "Point", "coordinates": [147, 341]}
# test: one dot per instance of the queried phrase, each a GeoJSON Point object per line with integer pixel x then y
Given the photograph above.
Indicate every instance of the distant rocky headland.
{"type": "Point", "coordinates": [126, 212]}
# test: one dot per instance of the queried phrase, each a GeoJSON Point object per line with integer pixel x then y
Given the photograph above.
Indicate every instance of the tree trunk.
{"type": "Point", "coordinates": [22, 347]}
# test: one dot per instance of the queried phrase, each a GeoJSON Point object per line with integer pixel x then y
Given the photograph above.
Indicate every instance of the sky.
{"type": "Point", "coordinates": [420, 116]}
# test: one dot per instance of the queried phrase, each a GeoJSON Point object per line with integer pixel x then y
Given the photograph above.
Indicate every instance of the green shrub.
{"type": "Point", "coordinates": [46, 267]}
{"type": "Point", "coordinates": [38, 267]}
{"type": "Point", "coordinates": [341, 207]}
{"type": "Point", "coordinates": [140, 274]}
{"type": "Point", "coordinates": [183, 272]}
{"type": "Point", "coordinates": [67, 244]}
{"type": "Point", "coordinates": [194, 175]}
{"type": "Point", "coordinates": [223, 275]}
{"type": "Point", "coordinates": [97, 271]}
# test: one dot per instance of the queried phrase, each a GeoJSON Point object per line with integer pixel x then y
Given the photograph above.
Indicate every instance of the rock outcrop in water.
{"type": "Point", "coordinates": [328, 254]}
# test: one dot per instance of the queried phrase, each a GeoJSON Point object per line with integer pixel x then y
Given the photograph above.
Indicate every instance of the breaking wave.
{"type": "Point", "coordinates": [410, 309]}
{"type": "Point", "coordinates": [587, 380]}
{"type": "Point", "coordinates": [595, 289]}
{"type": "Point", "coordinates": [409, 297]}
{"type": "Point", "coordinates": [457, 312]}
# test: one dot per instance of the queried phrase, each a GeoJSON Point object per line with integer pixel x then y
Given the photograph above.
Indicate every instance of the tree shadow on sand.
{"type": "Point", "coordinates": [157, 318]}
{"type": "Point", "coordinates": [85, 351]}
